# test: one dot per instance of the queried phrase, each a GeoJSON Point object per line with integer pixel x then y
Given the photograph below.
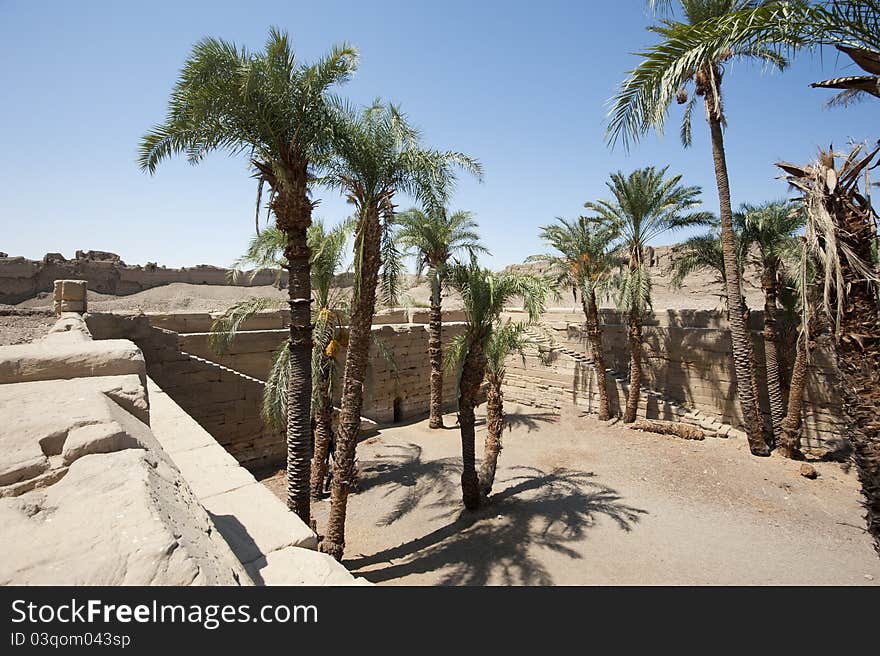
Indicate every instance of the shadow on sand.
{"type": "Point", "coordinates": [532, 510]}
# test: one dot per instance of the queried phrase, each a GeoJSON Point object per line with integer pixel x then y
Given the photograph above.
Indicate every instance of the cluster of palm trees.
{"type": "Point", "coordinates": [838, 254]}
{"type": "Point", "coordinates": [298, 137]}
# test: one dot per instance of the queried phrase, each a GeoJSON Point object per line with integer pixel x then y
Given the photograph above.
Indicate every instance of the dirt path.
{"type": "Point", "coordinates": [579, 502]}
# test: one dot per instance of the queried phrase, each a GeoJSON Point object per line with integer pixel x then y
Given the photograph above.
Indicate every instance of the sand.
{"type": "Point", "coordinates": [580, 502]}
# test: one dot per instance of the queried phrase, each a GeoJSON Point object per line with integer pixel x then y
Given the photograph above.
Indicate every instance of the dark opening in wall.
{"type": "Point", "coordinates": [397, 410]}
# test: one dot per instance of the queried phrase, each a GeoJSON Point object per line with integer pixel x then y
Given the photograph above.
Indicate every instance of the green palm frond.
{"type": "Point", "coordinates": [646, 204]}
{"type": "Point", "coordinates": [264, 104]}
{"type": "Point", "coordinates": [225, 328]}
{"type": "Point", "coordinates": [507, 338]}
{"type": "Point", "coordinates": [485, 295]}
{"type": "Point", "coordinates": [435, 237]}
{"type": "Point", "coordinates": [771, 227]}
{"type": "Point", "coordinates": [265, 251]}
{"type": "Point", "coordinates": [701, 252]}
{"type": "Point", "coordinates": [274, 405]}
{"type": "Point", "coordinates": [585, 261]}
{"type": "Point", "coordinates": [712, 33]}
{"type": "Point", "coordinates": [378, 153]}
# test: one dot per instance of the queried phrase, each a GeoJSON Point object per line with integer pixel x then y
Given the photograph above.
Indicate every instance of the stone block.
{"type": "Point", "coordinates": [255, 522]}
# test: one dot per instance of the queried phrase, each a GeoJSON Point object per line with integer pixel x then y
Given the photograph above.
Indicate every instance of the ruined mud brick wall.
{"type": "Point", "coordinates": [686, 358]}
{"type": "Point", "coordinates": [21, 279]}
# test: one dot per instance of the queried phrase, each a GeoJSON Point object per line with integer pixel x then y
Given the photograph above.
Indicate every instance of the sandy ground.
{"type": "Point", "coordinates": [19, 326]}
{"type": "Point", "coordinates": [580, 502]}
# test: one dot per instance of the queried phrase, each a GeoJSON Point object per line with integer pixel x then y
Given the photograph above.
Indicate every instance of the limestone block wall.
{"type": "Point", "coordinates": [87, 494]}
{"type": "Point", "coordinates": [686, 357]}
{"type": "Point", "coordinates": [226, 399]}
{"type": "Point", "coordinates": [396, 387]}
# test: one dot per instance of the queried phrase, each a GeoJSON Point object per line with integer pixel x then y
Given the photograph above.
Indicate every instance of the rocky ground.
{"type": "Point", "coordinates": [581, 502]}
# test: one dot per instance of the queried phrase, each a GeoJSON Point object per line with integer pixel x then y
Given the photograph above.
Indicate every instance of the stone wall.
{"type": "Point", "coordinates": [686, 358]}
{"type": "Point", "coordinates": [87, 494]}
{"type": "Point", "coordinates": [21, 279]}
{"type": "Point", "coordinates": [224, 393]}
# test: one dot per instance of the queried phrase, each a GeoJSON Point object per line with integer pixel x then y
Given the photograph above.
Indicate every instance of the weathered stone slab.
{"type": "Point", "coordinates": [122, 518]}
{"type": "Point", "coordinates": [255, 523]}
{"type": "Point", "coordinates": [296, 566]}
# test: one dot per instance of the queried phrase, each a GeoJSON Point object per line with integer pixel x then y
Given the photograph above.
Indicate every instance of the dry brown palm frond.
{"type": "Point", "coordinates": [830, 194]}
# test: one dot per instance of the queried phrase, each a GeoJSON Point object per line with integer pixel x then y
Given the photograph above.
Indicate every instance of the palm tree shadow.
{"type": "Point", "coordinates": [402, 473]}
{"type": "Point", "coordinates": [501, 542]}
{"type": "Point", "coordinates": [531, 421]}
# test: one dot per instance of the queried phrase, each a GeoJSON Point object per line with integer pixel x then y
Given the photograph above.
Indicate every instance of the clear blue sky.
{"type": "Point", "coordinates": [522, 86]}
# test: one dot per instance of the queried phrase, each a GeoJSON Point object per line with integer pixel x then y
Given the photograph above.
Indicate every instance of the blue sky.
{"type": "Point", "coordinates": [522, 86]}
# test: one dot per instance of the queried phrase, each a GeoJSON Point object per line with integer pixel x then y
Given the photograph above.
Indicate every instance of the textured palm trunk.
{"type": "Point", "coordinates": [472, 373]}
{"type": "Point", "coordinates": [356, 358]}
{"type": "Point", "coordinates": [634, 337]}
{"type": "Point", "coordinates": [789, 444]}
{"type": "Point", "coordinates": [594, 336]}
{"type": "Point", "coordinates": [435, 353]}
{"type": "Point", "coordinates": [858, 361]}
{"type": "Point", "coordinates": [323, 431]}
{"type": "Point", "coordinates": [743, 351]}
{"type": "Point", "coordinates": [494, 431]}
{"type": "Point", "coordinates": [769, 281]}
{"type": "Point", "coordinates": [293, 212]}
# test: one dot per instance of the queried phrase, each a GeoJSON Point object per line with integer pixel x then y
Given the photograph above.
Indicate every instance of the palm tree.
{"type": "Point", "coordinates": [585, 264]}
{"type": "Point", "coordinates": [274, 109]}
{"type": "Point", "coordinates": [327, 249]}
{"type": "Point", "coordinates": [789, 444]}
{"type": "Point", "coordinates": [851, 26]}
{"type": "Point", "coordinates": [771, 228]}
{"type": "Point", "coordinates": [484, 295]}
{"type": "Point", "coordinates": [642, 104]}
{"type": "Point", "coordinates": [506, 338]}
{"type": "Point", "coordinates": [435, 237]}
{"type": "Point", "coordinates": [841, 235]}
{"type": "Point", "coordinates": [377, 154]}
{"type": "Point", "coordinates": [646, 205]}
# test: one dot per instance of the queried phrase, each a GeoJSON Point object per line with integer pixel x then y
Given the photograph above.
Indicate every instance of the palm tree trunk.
{"type": "Point", "coordinates": [323, 430]}
{"type": "Point", "coordinates": [634, 336]}
{"type": "Point", "coordinates": [771, 350]}
{"type": "Point", "coordinates": [858, 360]}
{"type": "Point", "coordinates": [472, 373]}
{"type": "Point", "coordinates": [494, 431]}
{"type": "Point", "coordinates": [594, 336]}
{"type": "Point", "coordinates": [356, 358]}
{"type": "Point", "coordinates": [743, 351]}
{"type": "Point", "coordinates": [790, 439]}
{"type": "Point", "coordinates": [435, 353]}
{"type": "Point", "coordinates": [293, 212]}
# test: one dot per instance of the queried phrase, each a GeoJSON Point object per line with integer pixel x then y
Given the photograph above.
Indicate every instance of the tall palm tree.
{"type": "Point", "coordinates": [275, 110]}
{"type": "Point", "coordinates": [484, 295]}
{"type": "Point", "coordinates": [434, 237]}
{"type": "Point", "coordinates": [642, 104]}
{"type": "Point", "coordinates": [506, 338]}
{"type": "Point", "coordinates": [808, 300]}
{"type": "Point", "coordinates": [841, 235]}
{"type": "Point", "coordinates": [327, 249]}
{"type": "Point", "coordinates": [851, 26]}
{"type": "Point", "coordinates": [771, 228]}
{"type": "Point", "coordinates": [646, 205]}
{"type": "Point", "coordinates": [377, 155]}
{"type": "Point", "coordinates": [585, 265]}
